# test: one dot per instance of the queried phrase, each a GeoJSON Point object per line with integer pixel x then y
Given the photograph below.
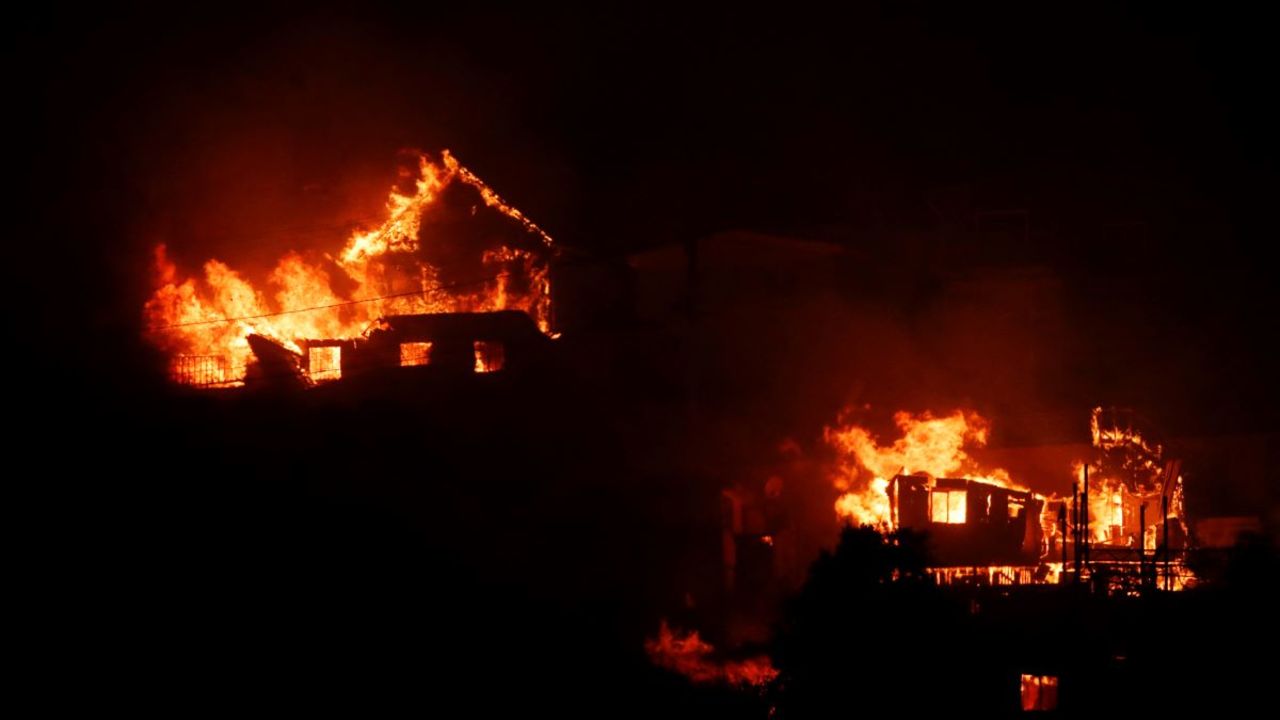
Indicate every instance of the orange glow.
{"type": "Point", "coordinates": [947, 506]}
{"type": "Point", "coordinates": [415, 353]}
{"type": "Point", "coordinates": [203, 321]}
{"type": "Point", "coordinates": [996, 574]}
{"type": "Point", "coordinates": [1127, 473]}
{"type": "Point", "coordinates": [325, 363]}
{"type": "Point", "coordinates": [689, 655]}
{"type": "Point", "coordinates": [929, 445]}
{"type": "Point", "coordinates": [1039, 692]}
{"type": "Point", "coordinates": [489, 357]}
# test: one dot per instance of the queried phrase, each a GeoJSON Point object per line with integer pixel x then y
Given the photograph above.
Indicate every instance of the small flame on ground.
{"type": "Point", "coordinates": [690, 656]}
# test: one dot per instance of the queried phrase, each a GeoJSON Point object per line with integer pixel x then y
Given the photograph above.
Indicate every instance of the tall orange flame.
{"type": "Point", "coordinates": [929, 445]}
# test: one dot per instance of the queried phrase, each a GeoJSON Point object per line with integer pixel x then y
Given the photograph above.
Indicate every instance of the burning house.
{"type": "Point", "coordinates": [972, 523]}
{"type": "Point", "coordinates": [379, 301]}
{"type": "Point", "coordinates": [1122, 524]}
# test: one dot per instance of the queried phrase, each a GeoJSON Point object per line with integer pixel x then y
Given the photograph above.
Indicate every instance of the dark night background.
{"type": "Point", "coordinates": [1139, 140]}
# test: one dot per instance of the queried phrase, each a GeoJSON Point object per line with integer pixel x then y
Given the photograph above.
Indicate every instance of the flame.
{"type": "Point", "coordinates": [491, 198]}
{"type": "Point", "coordinates": [866, 507]}
{"type": "Point", "coordinates": [929, 445]}
{"type": "Point", "coordinates": [1045, 574]}
{"type": "Point", "coordinates": [689, 655]}
{"type": "Point", "coordinates": [1114, 436]}
{"type": "Point", "coordinates": [1126, 473]}
{"type": "Point", "coordinates": [204, 321]}
{"type": "Point", "coordinates": [1039, 692]}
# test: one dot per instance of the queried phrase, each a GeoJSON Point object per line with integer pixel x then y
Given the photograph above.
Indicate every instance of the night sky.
{"type": "Point", "coordinates": [1140, 140]}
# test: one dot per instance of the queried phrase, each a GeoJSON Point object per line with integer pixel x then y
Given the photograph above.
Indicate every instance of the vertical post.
{"type": "Point", "coordinates": [893, 501]}
{"type": "Point", "coordinates": [1075, 528]}
{"type": "Point", "coordinates": [1062, 535]}
{"type": "Point", "coordinates": [1084, 516]}
{"type": "Point", "coordinates": [1164, 515]}
{"type": "Point", "coordinates": [1142, 544]}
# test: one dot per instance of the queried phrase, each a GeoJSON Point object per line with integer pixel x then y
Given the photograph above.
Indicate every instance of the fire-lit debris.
{"type": "Point", "coordinates": [690, 656]}
{"type": "Point", "coordinates": [204, 322]}
{"type": "Point", "coordinates": [1125, 521]}
{"type": "Point", "coordinates": [1126, 474]}
{"type": "Point", "coordinates": [276, 364]}
{"type": "Point", "coordinates": [1145, 475]}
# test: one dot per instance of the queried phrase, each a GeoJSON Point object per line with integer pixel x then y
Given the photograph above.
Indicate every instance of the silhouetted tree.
{"type": "Point", "coordinates": [871, 632]}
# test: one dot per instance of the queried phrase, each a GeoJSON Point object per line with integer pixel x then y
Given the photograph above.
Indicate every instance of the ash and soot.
{"type": "Point", "coordinates": [901, 361]}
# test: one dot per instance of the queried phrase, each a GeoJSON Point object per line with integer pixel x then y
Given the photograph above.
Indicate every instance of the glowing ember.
{"type": "Point", "coordinates": [690, 656]}
{"type": "Point", "coordinates": [204, 322]}
{"type": "Point", "coordinates": [1039, 692]}
{"type": "Point", "coordinates": [929, 445]}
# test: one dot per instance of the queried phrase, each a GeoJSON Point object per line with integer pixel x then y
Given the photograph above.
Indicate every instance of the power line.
{"type": "Point", "coordinates": [442, 286]}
